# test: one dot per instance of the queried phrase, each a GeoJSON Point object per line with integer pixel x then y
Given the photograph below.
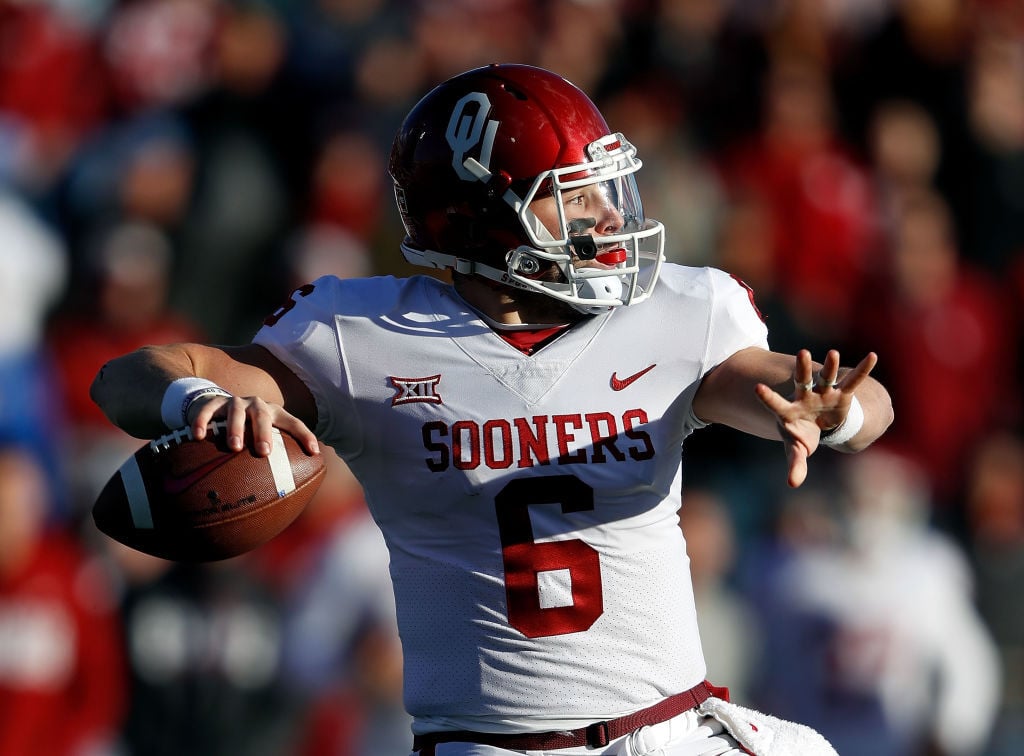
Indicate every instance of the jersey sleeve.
{"type": "Point", "coordinates": [302, 334]}
{"type": "Point", "coordinates": [735, 324]}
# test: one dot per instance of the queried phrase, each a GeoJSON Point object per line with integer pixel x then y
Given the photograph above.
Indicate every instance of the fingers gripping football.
{"type": "Point", "coordinates": [260, 416]}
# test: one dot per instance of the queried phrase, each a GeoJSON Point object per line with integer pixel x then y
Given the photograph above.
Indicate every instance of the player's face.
{"type": "Point", "coordinates": [590, 209]}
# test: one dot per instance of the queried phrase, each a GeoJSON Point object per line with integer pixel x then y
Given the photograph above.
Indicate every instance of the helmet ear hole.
{"type": "Point", "coordinates": [468, 230]}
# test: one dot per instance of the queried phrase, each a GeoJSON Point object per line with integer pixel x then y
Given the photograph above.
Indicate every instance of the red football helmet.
{"type": "Point", "coordinates": [474, 154]}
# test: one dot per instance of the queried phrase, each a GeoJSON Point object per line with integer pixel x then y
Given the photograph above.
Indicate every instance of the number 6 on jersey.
{"type": "Point", "coordinates": [526, 560]}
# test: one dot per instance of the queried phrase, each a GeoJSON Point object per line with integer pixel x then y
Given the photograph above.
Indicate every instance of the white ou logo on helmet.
{"type": "Point", "coordinates": [466, 129]}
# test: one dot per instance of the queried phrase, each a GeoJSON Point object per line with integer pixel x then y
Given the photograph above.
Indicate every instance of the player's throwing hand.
{"type": "Point", "coordinates": [821, 407]}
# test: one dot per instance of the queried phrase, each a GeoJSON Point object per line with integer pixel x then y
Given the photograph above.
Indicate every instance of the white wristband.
{"type": "Point", "coordinates": [179, 397]}
{"type": "Point", "coordinates": [847, 429]}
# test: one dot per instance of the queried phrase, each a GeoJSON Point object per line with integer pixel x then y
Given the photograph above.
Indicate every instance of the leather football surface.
{"type": "Point", "coordinates": [187, 500]}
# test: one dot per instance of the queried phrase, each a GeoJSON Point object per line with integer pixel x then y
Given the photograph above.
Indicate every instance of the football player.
{"type": "Point", "coordinates": [518, 432]}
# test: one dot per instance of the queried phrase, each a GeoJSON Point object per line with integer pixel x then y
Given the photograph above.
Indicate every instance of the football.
{"type": "Point", "coordinates": [187, 500]}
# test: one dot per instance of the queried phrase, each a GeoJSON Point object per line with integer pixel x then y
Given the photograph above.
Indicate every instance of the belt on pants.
{"type": "Point", "coordinates": [594, 735]}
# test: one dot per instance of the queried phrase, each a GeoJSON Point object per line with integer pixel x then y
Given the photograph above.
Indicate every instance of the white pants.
{"type": "Point", "coordinates": [688, 734]}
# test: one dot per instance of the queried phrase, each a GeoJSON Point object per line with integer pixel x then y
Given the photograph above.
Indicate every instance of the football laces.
{"type": "Point", "coordinates": [180, 435]}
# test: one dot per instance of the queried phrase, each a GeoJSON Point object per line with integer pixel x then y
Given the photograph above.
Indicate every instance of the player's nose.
{"type": "Point", "coordinates": [609, 220]}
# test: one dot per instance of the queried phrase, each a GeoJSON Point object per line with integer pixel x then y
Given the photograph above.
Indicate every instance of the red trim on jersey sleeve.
{"type": "Point", "coordinates": [750, 293]}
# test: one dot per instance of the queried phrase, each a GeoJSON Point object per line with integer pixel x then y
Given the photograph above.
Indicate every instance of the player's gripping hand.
{"type": "Point", "coordinates": [260, 415]}
{"type": "Point", "coordinates": [818, 403]}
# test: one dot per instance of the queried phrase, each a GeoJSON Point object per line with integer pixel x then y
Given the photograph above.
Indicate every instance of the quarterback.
{"type": "Point", "coordinates": [519, 431]}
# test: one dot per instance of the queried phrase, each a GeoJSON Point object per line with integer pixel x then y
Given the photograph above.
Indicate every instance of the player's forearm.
{"type": "Point", "coordinates": [129, 389]}
{"type": "Point", "coordinates": [727, 397]}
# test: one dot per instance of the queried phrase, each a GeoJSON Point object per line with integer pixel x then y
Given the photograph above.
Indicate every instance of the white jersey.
{"type": "Point", "coordinates": [529, 503]}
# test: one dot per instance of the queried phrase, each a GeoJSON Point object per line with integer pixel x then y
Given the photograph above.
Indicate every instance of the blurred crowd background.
{"type": "Point", "coordinates": [171, 169]}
